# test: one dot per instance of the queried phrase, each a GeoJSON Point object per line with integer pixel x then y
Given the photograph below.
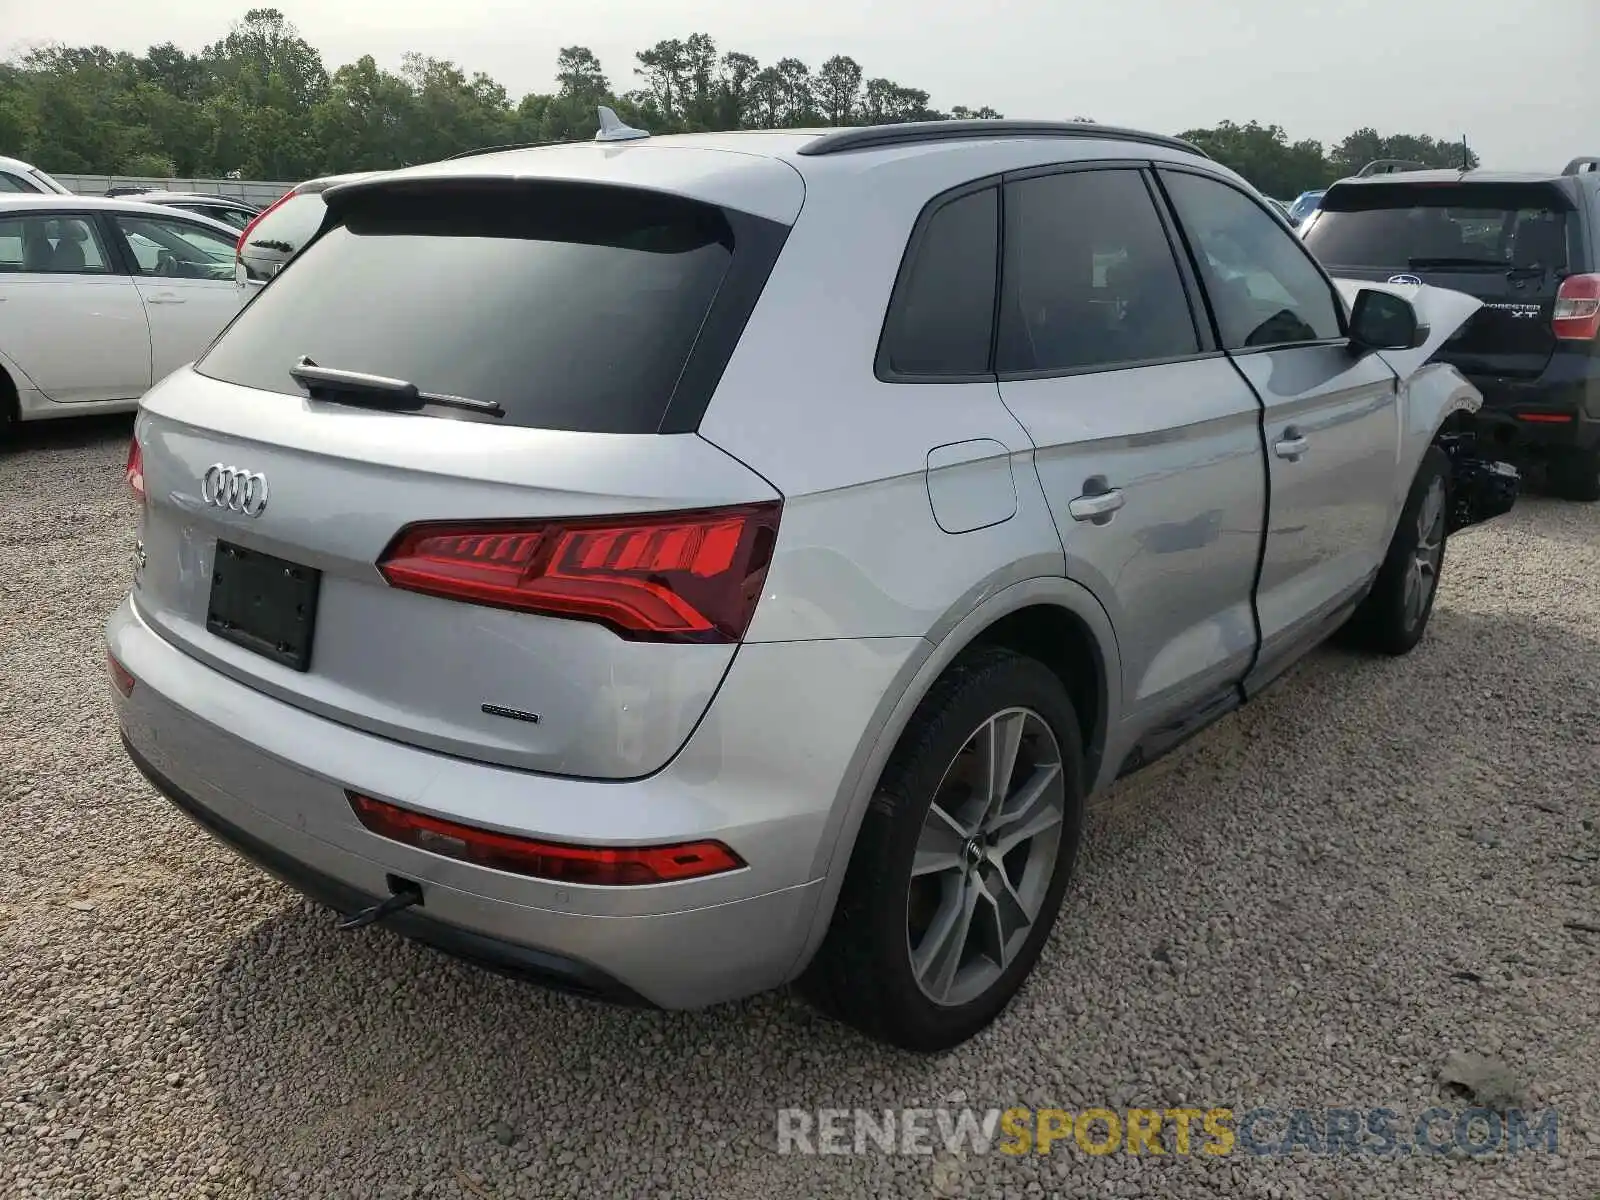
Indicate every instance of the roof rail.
{"type": "Point", "coordinates": [1581, 166]}
{"type": "Point", "coordinates": [875, 137]}
{"type": "Point", "coordinates": [1388, 166]}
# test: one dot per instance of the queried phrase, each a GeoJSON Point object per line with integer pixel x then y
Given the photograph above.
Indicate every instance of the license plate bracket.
{"type": "Point", "coordinates": [264, 603]}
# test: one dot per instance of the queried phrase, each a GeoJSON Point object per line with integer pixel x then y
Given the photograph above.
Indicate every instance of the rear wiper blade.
{"type": "Point", "coordinates": [379, 391]}
{"type": "Point", "coordinates": [1424, 264]}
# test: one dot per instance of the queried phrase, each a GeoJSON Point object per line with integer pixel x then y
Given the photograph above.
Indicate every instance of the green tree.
{"type": "Point", "coordinates": [838, 89]}
{"type": "Point", "coordinates": [1264, 155]}
{"type": "Point", "coordinates": [265, 61]}
{"type": "Point", "coordinates": [735, 75]}
{"type": "Point", "coordinates": [579, 76]}
{"type": "Point", "coordinates": [1367, 144]}
{"type": "Point", "coordinates": [259, 103]}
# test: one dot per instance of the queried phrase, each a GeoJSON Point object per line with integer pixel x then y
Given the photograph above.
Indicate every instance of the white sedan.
{"type": "Point", "coordinates": [101, 298]}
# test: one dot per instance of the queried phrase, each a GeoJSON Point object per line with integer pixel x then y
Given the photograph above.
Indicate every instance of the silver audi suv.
{"type": "Point", "coordinates": [668, 568]}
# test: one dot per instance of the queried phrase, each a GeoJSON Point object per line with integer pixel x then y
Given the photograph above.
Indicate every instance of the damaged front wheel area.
{"type": "Point", "coordinates": [1482, 487]}
{"type": "Point", "coordinates": [1394, 615]}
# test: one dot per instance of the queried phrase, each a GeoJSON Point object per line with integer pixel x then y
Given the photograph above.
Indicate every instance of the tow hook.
{"type": "Point", "coordinates": [1482, 487]}
{"type": "Point", "coordinates": [404, 894]}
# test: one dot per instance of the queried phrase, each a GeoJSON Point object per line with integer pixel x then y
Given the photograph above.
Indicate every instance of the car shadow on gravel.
{"type": "Point", "coordinates": [68, 433]}
{"type": "Point", "coordinates": [332, 1058]}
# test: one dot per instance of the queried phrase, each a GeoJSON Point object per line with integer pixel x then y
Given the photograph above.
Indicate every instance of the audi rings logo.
{"type": "Point", "coordinates": [237, 491]}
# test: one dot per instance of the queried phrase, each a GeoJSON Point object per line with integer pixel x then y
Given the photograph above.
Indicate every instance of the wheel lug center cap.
{"type": "Point", "coordinates": [973, 852]}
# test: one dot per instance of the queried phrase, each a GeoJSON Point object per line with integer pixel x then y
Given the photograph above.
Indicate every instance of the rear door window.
{"type": "Point", "coordinates": [573, 308]}
{"type": "Point", "coordinates": [941, 319]}
{"type": "Point", "coordinates": [1090, 278]}
{"type": "Point", "coordinates": [1400, 227]}
{"type": "Point", "coordinates": [46, 245]}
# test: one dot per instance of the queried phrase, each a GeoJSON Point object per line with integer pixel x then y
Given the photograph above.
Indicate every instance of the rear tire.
{"type": "Point", "coordinates": [1394, 615]}
{"type": "Point", "coordinates": [954, 885]}
{"type": "Point", "coordinates": [1575, 475]}
{"type": "Point", "coordinates": [9, 416]}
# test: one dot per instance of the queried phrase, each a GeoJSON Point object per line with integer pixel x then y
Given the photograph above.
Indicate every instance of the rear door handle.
{"type": "Point", "coordinates": [1097, 507]}
{"type": "Point", "coordinates": [1292, 445]}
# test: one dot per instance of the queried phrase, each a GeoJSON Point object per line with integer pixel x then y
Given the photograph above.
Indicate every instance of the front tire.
{"type": "Point", "coordinates": [962, 859]}
{"type": "Point", "coordinates": [1394, 615]}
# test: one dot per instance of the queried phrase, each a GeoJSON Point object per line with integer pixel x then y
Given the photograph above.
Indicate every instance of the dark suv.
{"type": "Point", "coordinates": [1525, 245]}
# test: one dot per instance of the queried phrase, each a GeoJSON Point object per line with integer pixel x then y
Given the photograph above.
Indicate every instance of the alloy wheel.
{"type": "Point", "coordinates": [1422, 573]}
{"type": "Point", "coordinates": [985, 856]}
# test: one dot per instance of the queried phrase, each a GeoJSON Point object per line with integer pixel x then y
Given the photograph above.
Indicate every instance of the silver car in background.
{"type": "Point", "coordinates": [229, 211]}
{"type": "Point", "coordinates": [18, 176]}
{"type": "Point", "coordinates": [666, 568]}
{"type": "Point", "coordinates": [101, 298]}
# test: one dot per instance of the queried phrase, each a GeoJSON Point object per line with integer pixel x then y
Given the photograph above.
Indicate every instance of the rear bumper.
{"type": "Point", "coordinates": [1539, 416]}
{"type": "Point", "coordinates": [502, 957]}
{"type": "Point", "coordinates": [269, 780]}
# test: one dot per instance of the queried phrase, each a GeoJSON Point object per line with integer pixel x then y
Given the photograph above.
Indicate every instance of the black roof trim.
{"type": "Point", "coordinates": [875, 137]}
{"type": "Point", "coordinates": [497, 149]}
{"type": "Point", "coordinates": [1582, 165]}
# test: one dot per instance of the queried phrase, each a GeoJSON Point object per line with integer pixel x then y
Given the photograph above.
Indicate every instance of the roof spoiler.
{"type": "Point", "coordinates": [612, 129]}
{"type": "Point", "coordinates": [1581, 166]}
{"type": "Point", "coordinates": [497, 149]}
{"type": "Point", "coordinates": [1388, 166]}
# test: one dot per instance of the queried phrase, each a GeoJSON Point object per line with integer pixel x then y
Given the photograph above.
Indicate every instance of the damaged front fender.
{"type": "Point", "coordinates": [1432, 395]}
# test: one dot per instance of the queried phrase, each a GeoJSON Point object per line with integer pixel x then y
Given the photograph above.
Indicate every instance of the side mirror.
{"type": "Point", "coordinates": [1384, 321]}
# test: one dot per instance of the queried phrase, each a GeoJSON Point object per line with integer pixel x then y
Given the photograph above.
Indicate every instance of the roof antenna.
{"type": "Point", "coordinates": [612, 128]}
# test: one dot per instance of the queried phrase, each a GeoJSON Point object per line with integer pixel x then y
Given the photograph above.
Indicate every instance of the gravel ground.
{"type": "Point", "coordinates": [1312, 905]}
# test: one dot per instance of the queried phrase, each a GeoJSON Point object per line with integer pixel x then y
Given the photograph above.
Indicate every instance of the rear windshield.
{"type": "Point", "coordinates": [284, 230]}
{"type": "Point", "coordinates": [574, 308]}
{"type": "Point", "coordinates": [1441, 226]}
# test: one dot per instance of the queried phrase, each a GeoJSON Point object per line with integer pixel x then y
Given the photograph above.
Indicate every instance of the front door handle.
{"type": "Point", "coordinates": [1096, 507]}
{"type": "Point", "coordinates": [164, 298]}
{"type": "Point", "coordinates": [1292, 445]}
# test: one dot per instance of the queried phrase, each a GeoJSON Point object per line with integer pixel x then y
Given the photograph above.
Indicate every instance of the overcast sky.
{"type": "Point", "coordinates": [1516, 76]}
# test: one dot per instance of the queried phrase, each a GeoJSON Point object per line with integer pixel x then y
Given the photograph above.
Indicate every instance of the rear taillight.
{"type": "Point", "coordinates": [121, 678]}
{"type": "Point", "coordinates": [666, 577]}
{"type": "Point", "coordinates": [612, 866]}
{"type": "Point", "coordinates": [134, 470]}
{"type": "Point", "coordinates": [1577, 314]}
{"type": "Point", "coordinates": [244, 235]}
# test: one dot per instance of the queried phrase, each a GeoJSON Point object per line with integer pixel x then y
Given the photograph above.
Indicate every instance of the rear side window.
{"type": "Point", "coordinates": [1438, 226]}
{"type": "Point", "coordinates": [1090, 279]}
{"type": "Point", "coordinates": [941, 319]}
{"type": "Point", "coordinates": [574, 308]}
